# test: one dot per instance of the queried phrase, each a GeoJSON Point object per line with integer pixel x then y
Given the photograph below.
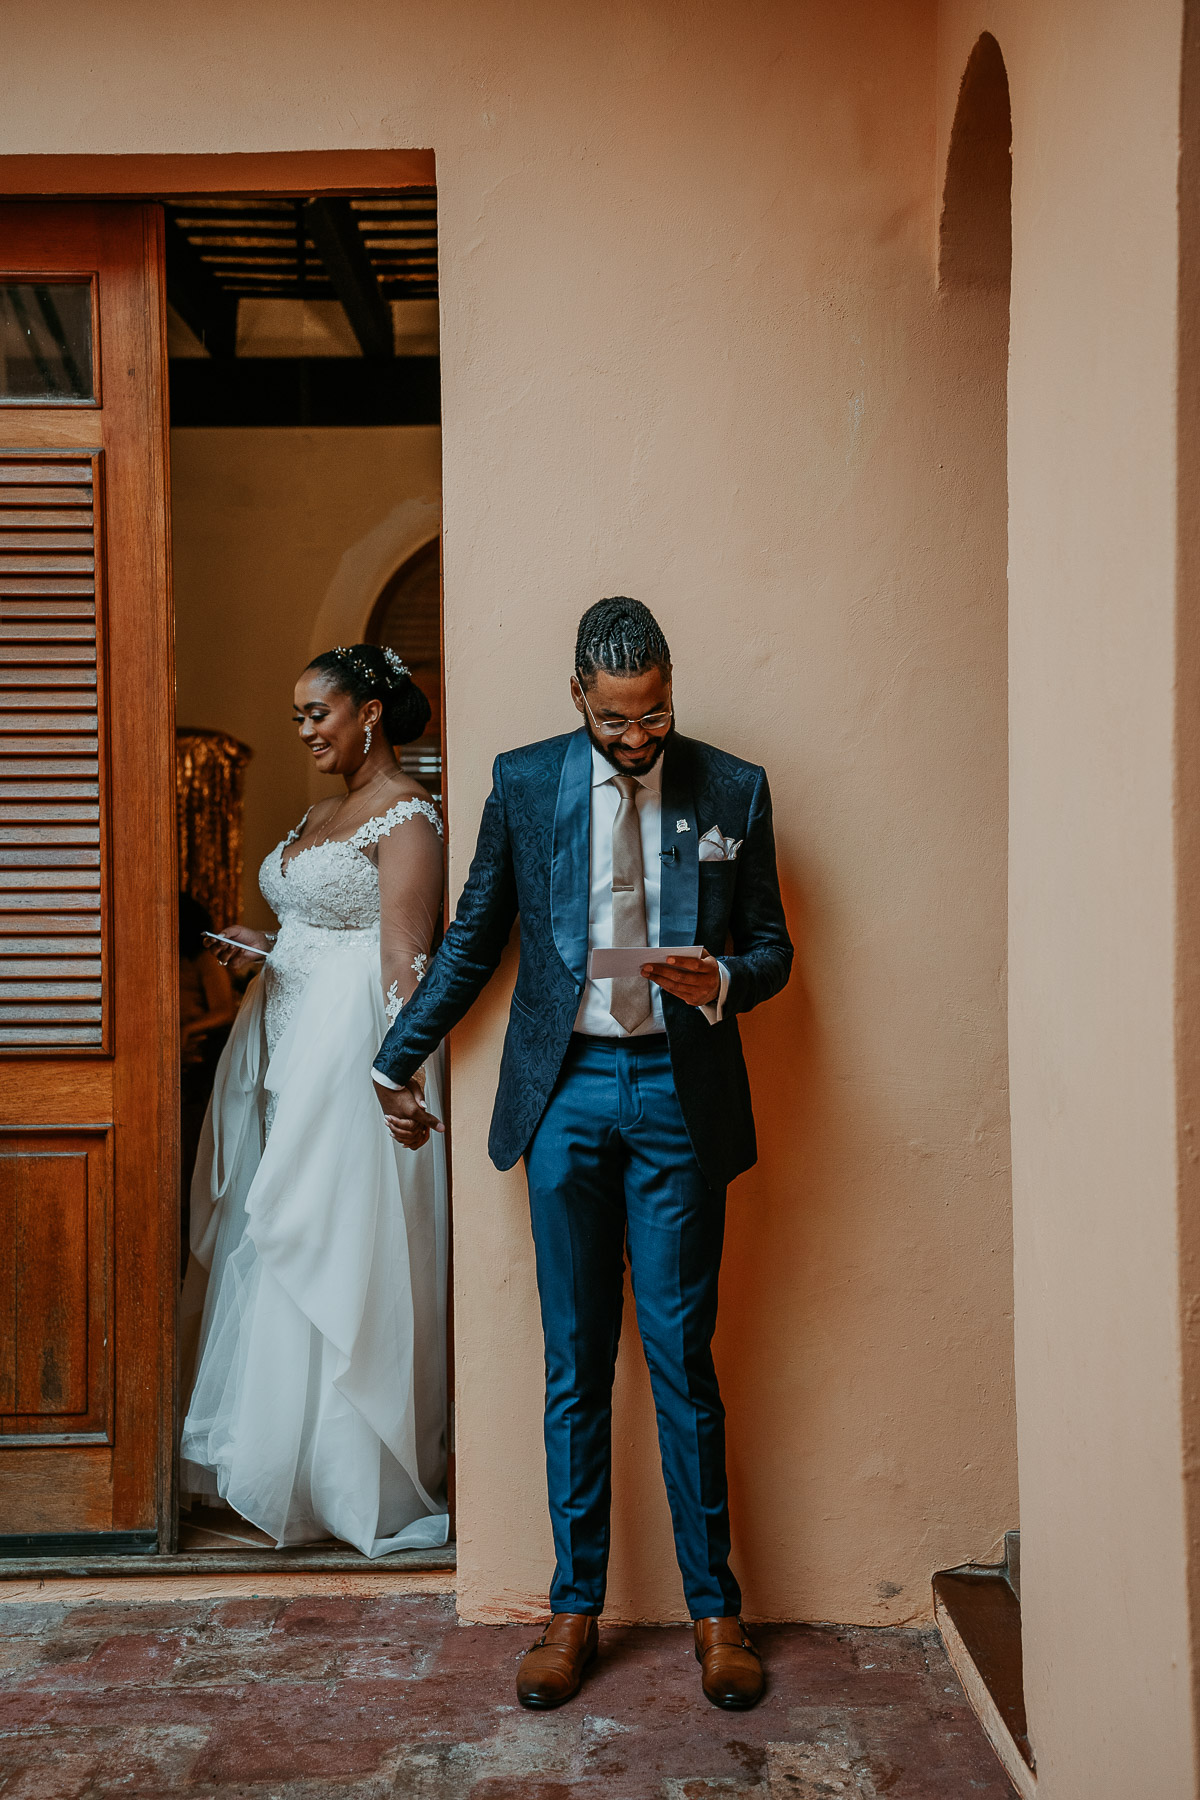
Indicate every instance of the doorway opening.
{"type": "Point", "coordinates": [103, 808]}
{"type": "Point", "coordinates": [302, 336]}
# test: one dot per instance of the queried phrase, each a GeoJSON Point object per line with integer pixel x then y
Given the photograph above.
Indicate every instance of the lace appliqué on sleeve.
{"type": "Point", "coordinates": [393, 1005]}
{"type": "Point", "coordinates": [379, 827]}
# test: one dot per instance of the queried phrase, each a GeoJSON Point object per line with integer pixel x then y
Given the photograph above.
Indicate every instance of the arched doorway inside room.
{"type": "Point", "coordinates": [407, 618]}
{"type": "Point", "coordinates": [980, 1612]}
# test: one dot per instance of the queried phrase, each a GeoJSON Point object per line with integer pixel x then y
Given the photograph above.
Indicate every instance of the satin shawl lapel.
{"type": "Point", "coordinates": [679, 904]}
{"type": "Point", "coordinates": [571, 858]}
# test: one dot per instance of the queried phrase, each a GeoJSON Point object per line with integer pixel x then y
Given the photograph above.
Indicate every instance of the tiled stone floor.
{"type": "Point", "coordinates": [357, 1699]}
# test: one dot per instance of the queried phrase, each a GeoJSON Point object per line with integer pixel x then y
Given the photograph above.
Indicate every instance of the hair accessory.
{"type": "Point", "coordinates": [397, 670]}
{"type": "Point", "coordinates": [344, 653]}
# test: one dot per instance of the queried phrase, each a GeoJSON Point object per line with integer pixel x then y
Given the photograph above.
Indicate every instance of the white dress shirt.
{"type": "Point", "coordinates": [593, 1017]}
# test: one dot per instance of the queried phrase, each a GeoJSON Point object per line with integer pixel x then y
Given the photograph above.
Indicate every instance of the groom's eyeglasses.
{"type": "Point", "coordinates": [616, 728]}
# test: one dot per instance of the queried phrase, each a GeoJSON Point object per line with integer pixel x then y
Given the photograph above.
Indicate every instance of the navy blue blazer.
{"type": "Point", "coordinates": [532, 860]}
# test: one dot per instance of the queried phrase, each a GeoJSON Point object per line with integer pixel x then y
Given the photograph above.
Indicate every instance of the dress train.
{"type": "Point", "coordinates": [318, 1279]}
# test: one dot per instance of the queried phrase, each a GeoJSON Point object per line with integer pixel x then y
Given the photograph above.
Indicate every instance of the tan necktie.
{"type": "Point", "coordinates": [630, 1005]}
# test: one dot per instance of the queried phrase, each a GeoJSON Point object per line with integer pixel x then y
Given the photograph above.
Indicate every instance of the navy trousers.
{"type": "Point", "coordinates": [609, 1167]}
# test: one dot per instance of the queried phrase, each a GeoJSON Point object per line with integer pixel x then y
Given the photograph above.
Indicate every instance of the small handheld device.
{"type": "Point", "coordinates": [246, 949]}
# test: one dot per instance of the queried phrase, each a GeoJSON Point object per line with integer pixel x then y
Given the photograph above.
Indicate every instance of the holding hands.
{"type": "Point", "coordinates": [404, 1112]}
{"type": "Point", "coordinates": [694, 980]}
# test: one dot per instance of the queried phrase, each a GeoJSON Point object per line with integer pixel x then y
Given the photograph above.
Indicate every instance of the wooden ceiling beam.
{"type": "Point", "coordinates": [284, 214]}
{"type": "Point", "coordinates": [333, 228]}
{"type": "Point", "coordinates": [273, 291]}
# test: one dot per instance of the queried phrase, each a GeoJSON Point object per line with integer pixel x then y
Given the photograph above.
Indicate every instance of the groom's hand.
{"type": "Point", "coordinates": [695, 980]}
{"type": "Point", "coordinates": [405, 1116]}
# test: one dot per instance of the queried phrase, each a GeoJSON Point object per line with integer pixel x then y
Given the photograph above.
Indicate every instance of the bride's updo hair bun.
{"type": "Point", "coordinates": [366, 672]}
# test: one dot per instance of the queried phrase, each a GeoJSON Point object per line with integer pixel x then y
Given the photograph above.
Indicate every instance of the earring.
{"type": "Point", "coordinates": [367, 740]}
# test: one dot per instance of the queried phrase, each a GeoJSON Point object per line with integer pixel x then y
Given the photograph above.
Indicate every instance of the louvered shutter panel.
{"type": "Point", "coordinates": [51, 938]}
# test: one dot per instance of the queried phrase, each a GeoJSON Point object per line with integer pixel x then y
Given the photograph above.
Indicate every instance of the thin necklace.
{"type": "Point", "coordinates": [341, 807]}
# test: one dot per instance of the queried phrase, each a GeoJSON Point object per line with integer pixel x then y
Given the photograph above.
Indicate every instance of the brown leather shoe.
{"type": "Point", "coordinates": [730, 1667]}
{"type": "Point", "coordinates": [552, 1669]}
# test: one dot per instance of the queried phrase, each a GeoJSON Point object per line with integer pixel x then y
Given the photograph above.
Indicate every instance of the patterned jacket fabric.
{"type": "Point", "coordinates": [531, 861]}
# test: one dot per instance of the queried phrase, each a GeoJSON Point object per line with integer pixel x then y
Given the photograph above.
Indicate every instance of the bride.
{"type": "Point", "coordinates": [315, 1298]}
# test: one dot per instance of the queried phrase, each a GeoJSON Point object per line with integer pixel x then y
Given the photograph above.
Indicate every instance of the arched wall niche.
{"type": "Point", "coordinates": [975, 234]}
{"type": "Point", "coordinates": [973, 282]}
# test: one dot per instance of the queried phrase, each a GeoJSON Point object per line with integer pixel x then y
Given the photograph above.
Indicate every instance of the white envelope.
{"type": "Point", "coordinates": [603, 965]}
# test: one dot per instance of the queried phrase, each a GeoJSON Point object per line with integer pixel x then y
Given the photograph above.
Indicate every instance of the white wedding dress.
{"type": "Point", "coordinates": [315, 1302]}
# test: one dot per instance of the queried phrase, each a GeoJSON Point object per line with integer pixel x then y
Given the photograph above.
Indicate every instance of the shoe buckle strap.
{"type": "Point", "coordinates": [745, 1641]}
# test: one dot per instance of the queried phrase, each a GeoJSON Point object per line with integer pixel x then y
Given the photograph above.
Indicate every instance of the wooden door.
{"type": "Point", "coordinates": [88, 948]}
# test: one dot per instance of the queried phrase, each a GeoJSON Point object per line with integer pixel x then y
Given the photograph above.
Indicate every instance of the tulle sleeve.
{"type": "Point", "coordinates": [410, 898]}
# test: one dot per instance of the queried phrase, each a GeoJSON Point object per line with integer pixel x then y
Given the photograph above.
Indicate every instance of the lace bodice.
{"type": "Point", "coordinates": [335, 899]}
{"type": "Point", "coordinates": [335, 885]}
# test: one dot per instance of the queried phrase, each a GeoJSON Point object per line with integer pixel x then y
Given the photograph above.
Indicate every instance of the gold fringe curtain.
{"type": "Point", "coordinates": [209, 773]}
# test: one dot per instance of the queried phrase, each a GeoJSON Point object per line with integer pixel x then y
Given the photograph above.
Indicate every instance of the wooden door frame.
{"type": "Point", "coordinates": [282, 172]}
{"type": "Point", "coordinates": [152, 178]}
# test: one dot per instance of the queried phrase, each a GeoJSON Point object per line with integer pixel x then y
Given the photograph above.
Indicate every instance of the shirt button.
{"type": "Point", "coordinates": [578, 989]}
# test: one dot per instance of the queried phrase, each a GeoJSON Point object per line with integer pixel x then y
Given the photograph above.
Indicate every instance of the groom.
{"type": "Point", "coordinates": [627, 1098]}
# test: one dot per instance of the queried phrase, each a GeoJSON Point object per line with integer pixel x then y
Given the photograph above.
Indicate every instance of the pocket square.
{"type": "Point", "coordinates": [714, 847]}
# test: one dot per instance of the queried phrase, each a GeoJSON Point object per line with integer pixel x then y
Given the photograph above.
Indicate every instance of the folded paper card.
{"type": "Point", "coordinates": [603, 965]}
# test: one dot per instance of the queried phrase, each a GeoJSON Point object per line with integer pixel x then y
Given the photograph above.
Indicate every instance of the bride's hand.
{"type": "Point", "coordinates": [237, 960]}
{"type": "Point", "coordinates": [405, 1116]}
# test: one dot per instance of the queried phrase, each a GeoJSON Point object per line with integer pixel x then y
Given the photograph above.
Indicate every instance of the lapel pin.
{"type": "Point", "coordinates": [682, 825]}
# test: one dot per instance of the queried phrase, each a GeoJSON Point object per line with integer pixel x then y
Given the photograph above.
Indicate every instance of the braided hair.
{"type": "Point", "coordinates": [365, 672]}
{"type": "Point", "coordinates": [622, 637]}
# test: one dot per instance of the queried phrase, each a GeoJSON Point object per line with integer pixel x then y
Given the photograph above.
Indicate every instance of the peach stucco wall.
{"type": "Point", "coordinates": [1092, 390]}
{"type": "Point", "coordinates": [692, 350]}
{"type": "Point", "coordinates": [700, 295]}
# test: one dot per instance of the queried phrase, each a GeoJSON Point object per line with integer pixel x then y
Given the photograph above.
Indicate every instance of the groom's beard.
{"type": "Point", "coordinates": [627, 762]}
